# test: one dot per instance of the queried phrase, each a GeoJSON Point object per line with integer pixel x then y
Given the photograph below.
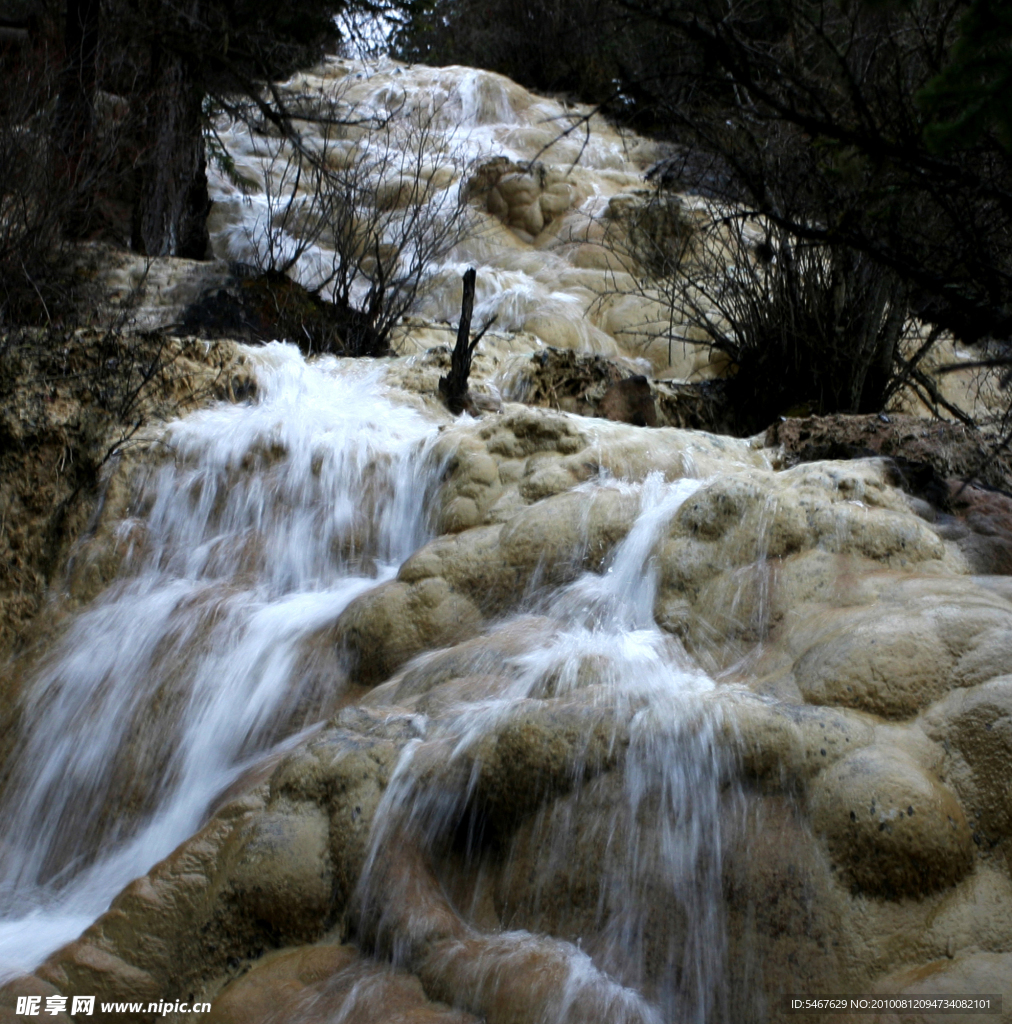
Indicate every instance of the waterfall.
{"type": "Point", "coordinates": [437, 129]}
{"type": "Point", "coordinates": [523, 716]}
{"type": "Point", "coordinates": [262, 522]}
{"type": "Point", "coordinates": [591, 648]}
{"type": "Point", "coordinates": [257, 524]}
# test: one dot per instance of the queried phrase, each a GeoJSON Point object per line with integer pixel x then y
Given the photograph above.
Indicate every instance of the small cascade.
{"type": "Point", "coordinates": [530, 179]}
{"type": "Point", "coordinates": [618, 746]}
{"type": "Point", "coordinates": [259, 524]}
{"type": "Point", "coordinates": [589, 662]}
{"type": "Point", "coordinates": [265, 522]}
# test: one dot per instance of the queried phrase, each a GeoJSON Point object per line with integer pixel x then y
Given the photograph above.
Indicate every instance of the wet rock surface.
{"type": "Point", "coordinates": [470, 826]}
{"type": "Point", "coordinates": [981, 524]}
{"type": "Point", "coordinates": [918, 445]}
{"type": "Point", "coordinates": [74, 408]}
{"type": "Point", "coordinates": [615, 389]}
{"type": "Point", "coordinates": [312, 983]}
{"type": "Point", "coordinates": [567, 710]}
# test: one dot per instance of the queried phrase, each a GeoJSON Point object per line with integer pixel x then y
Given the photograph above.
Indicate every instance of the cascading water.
{"type": "Point", "coordinates": [544, 810]}
{"type": "Point", "coordinates": [267, 521]}
{"type": "Point", "coordinates": [655, 947]}
{"type": "Point", "coordinates": [202, 662]}
{"type": "Point", "coordinates": [440, 128]}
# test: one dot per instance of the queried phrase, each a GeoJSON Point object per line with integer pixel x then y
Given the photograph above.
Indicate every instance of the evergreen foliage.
{"type": "Point", "coordinates": [974, 92]}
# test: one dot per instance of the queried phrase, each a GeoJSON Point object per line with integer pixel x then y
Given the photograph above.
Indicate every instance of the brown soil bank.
{"type": "Point", "coordinates": [73, 407]}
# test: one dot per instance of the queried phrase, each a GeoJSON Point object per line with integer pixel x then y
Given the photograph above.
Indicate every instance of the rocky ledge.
{"type": "Point", "coordinates": [860, 733]}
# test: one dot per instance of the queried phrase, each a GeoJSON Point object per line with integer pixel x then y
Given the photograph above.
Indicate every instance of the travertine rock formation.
{"type": "Point", "coordinates": [603, 721]}
{"type": "Point", "coordinates": [487, 826]}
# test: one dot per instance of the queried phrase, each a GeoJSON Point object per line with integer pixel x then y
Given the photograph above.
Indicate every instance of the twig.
{"type": "Point", "coordinates": [936, 396]}
{"type": "Point", "coordinates": [583, 120]}
{"type": "Point", "coordinates": [911, 364]}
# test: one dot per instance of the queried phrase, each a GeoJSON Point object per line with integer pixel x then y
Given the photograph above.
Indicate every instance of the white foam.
{"type": "Point", "coordinates": [268, 521]}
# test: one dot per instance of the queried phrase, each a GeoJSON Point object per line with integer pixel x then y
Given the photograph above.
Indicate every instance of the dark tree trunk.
{"type": "Point", "coordinates": [75, 111]}
{"type": "Point", "coordinates": [453, 387]}
{"type": "Point", "coordinates": [75, 158]}
{"type": "Point", "coordinates": [171, 214]}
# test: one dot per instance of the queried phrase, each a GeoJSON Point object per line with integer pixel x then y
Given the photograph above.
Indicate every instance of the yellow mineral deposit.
{"type": "Point", "coordinates": [525, 717]}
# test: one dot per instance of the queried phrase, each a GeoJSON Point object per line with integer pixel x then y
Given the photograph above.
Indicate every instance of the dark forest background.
{"type": "Point", "coordinates": [873, 138]}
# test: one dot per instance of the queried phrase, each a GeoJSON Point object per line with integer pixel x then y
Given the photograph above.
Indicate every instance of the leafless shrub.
{"type": "Point", "coordinates": [359, 210]}
{"type": "Point", "coordinates": [802, 324]}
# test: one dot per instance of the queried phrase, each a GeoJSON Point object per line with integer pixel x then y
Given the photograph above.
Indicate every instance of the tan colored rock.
{"type": "Point", "coordinates": [746, 518]}
{"type": "Point", "coordinates": [561, 759]}
{"type": "Point", "coordinates": [504, 977]}
{"type": "Point", "coordinates": [840, 507]}
{"type": "Point", "coordinates": [160, 935]}
{"type": "Point", "coordinates": [472, 486]}
{"type": "Point", "coordinates": [28, 986]}
{"type": "Point", "coordinates": [279, 983]}
{"type": "Point", "coordinates": [785, 744]}
{"type": "Point", "coordinates": [397, 620]}
{"type": "Point", "coordinates": [786, 929]}
{"type": "Point", "coordinates": [284, 875]}
{"type": "Point", "coordinates": [279, 865]}
{"type": "Point", "coordinates": [492, 656]}
{"type": "Point", "coordinates": [557, 198]}
{"type": "Point", "coordinates": [891, 829]}
{"type": "Point", "coordinates": [542, 748]}
{"type": "Point", "coordinates": [990, 656]}
{"type": "Point", "coordinates": [447, 588]}
{"type": "Point", "coordinates": [345, 773]}
{"type": "Point", "coordinates": [892, 665]}
{"type": "Point", "coordinates": [970, 974]}
{"type": "Point", "coordinates": [749, 546]}
{"type": "Point", "coordinates": [309, 985]}
{"type": "Point", "coordinates": [898, 644]}
{"type": "Point", "coordinates": [975, 727]}
{"type": "Point", "coordinates": [520, 432]}
{"type": "Point", "coordinates": [555, 326]}
{"type": "Point", "coordinates": [565, 532]}
{"type": "Point", "coordinates": [515, 978]}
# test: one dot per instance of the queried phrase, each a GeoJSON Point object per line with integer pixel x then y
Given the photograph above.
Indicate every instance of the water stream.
{"type": "Point", "coordinates": [260, 522]}
{"type": "Point", "coordinates": [591, 650]}
{"type": "Point", "coordinates": [540, 268]}
{"type": "Point", "coordinates": [269, 519]}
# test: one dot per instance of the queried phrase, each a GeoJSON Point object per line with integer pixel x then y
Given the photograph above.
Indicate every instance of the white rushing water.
{"type": "Point", "coordinates": [267, 521]}
{"type": "Point", "coordinates": [594, 646]}
{"type": "Point", "coordinates": [262, 526]}
{"type": "Point", "coordinates": [525, 183]}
